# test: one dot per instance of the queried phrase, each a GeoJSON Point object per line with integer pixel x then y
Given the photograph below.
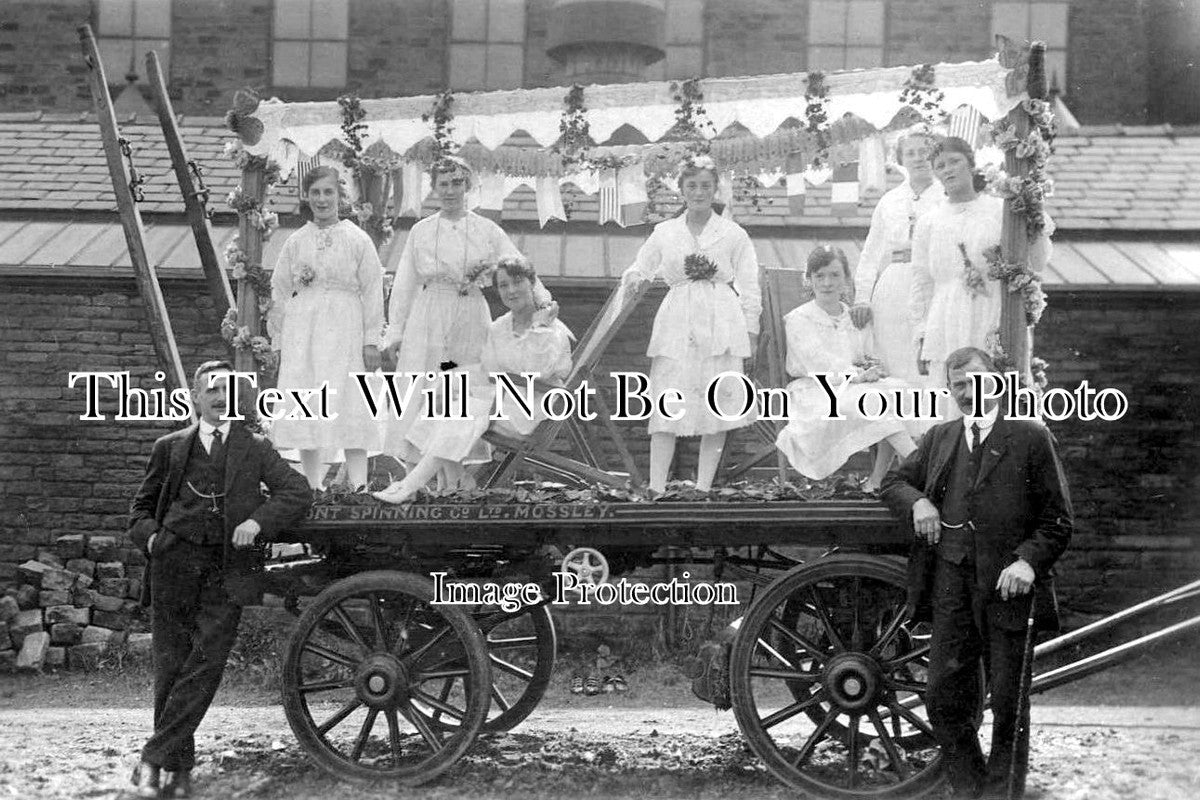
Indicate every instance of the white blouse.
{"type": "Point", "coordinates": [892, 226]}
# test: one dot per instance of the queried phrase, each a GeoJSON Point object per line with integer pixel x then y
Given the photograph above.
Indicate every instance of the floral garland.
{"type": "Point", "coordinates": [973, 277]}
{"type": "Point", "coordinates": [1038, 368]}
{"type": "Point", "coordinates": [441, 115]}
{"type": "Point", "coordinates": [575, 139]}
{"type": "Point", "coordinates": [262, 218]}
{"type": "Point", "coordinates": [691, 118]}
{"type": "Point", "coordinates": [816, 115]}
{"type": "Point", "coordinates": [1019, 279]}
{"type": "Point", "coordinates": [920, 93]}
{"type": "Point", "coordinates": [699, 267]}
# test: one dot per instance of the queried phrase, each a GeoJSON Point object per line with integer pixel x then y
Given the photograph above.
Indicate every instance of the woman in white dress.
{"type": "Point", "coordinates": [883, 280]}
{"type": "Point", "coordinates": [954, 303]}
{"type": "Point", "coordinates": [707, 324]}
{"type": "Point", "coordinates": [325, 319]}
{"type": "Point", "coordinates": [529, 338]}
{"type": "Point", "coordinates": [437, 312]}
{"type": "Point", "coordinates": [821, 338]}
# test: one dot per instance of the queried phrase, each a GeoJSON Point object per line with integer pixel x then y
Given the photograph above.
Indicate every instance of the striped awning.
{"type": "Point", "coordinates": [60, 246]}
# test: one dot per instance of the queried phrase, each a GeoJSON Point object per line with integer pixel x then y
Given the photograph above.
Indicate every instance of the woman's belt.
{"type": "Point", "coordinates": [902, 255]}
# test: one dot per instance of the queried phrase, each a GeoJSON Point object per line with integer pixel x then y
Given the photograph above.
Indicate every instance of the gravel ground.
{"type": "Point", "coordinates": [605, 748]}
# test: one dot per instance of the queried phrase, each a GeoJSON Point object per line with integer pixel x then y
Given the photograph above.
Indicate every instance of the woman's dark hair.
{"type": "Point", "coordinates": [823, 256]}
{"type": "Point", "coordinates": [953, 144]}
{"type": "Point", "coordinates": [515, 268]}
{"type": "Point", "coordinates": [317, 173]}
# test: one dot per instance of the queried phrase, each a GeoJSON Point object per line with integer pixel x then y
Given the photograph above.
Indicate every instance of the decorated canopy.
{"type": "Point", "coordinates": [752, 123]}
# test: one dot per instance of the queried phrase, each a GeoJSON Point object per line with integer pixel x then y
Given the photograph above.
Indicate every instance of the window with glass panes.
{"type": "Point", "coordinates": [487, 44]}
{"type": "Point", "coordinates": [309, 43]}
{"type": "Point", "coordinates": [1041, 21]}
{"type": "Point", "coordinates": [128, 29]}
{"type": "Point", "coordinates": [845, 34]}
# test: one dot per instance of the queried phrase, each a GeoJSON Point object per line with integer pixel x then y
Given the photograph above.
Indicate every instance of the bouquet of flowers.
{"type": "Point", "coordinates": [699, 267]}
{"type": "Point", "coordinates": [870, 368]}
{"type": "Point", "coordinates": [477, 275]}
{"type": "Point", "coordinates": [305, 275]}
{"type": "Point", "coordinates": [973, 277]}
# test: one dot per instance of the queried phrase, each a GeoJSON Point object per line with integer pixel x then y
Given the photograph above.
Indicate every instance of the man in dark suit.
{"type": "Point", "coordinates": [990, 513]}
{"type": "Point", "coordinates": [197, 514]}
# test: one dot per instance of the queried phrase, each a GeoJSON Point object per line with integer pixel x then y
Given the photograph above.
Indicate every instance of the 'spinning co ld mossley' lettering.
{"type": "Point", "coordinates": [393, 393]}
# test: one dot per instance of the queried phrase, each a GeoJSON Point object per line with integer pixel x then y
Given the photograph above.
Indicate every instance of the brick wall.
{"type": "Point", "coordinates": [1134, 482]}
{"type": "Point", "coordinates": [218, 47]}
{"type": "Point", "coordinates": [399, 48]}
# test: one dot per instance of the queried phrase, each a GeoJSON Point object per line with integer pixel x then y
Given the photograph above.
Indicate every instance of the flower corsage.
{"type": "Point", "coordinates": [699, 267]}
{"type": "Point", "coordinates": [305, 275]}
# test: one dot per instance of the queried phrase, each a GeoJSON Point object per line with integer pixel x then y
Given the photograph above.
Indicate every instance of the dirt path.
{"type": "Point", "coordinates": [1079, 753]}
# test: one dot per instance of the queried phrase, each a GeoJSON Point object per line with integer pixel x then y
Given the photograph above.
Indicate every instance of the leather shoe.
{"type": "Point", "coordinates": [179, 784]}
{"type": "Point", "coordinates": [145, 779]}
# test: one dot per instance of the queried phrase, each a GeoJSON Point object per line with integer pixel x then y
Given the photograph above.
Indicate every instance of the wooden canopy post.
{"type": "Point", "coordinates": [161, 335]}
{"type": "Point", "coordinates": [194, 200]}
{"type": "Point", "coordinates": [254, 187]}
{"type": "Point", "coordinates": [1015, 333]}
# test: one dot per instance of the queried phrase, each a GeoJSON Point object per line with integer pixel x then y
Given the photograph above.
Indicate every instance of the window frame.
{"type": "Point", "coordinates": [846, 45]}
{"type": "Point", "coordinates": [310, 43]}
{"type": "Point", "coordinates": [489, 46]}
{"type": "Point", "coordinates": [162, 44]}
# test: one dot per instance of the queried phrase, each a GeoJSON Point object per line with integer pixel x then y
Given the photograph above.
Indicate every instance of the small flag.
{"type": "Point", "coordinates": [491, 196]}
{"type": "Point", "coordinates": [549, 200]}
{"type": "Point", "coordinates": [843, 194]}
{"type": "Point", "coordinates": [964, 123]}
{"type": "Point", "coordinates": [303, 167]}
{"type": "Point", "coordinates": [794, 169]}
{"type": "Point", "coordinates": [631, 193]}
{"type": "Point", "coordinates": [610, 201]}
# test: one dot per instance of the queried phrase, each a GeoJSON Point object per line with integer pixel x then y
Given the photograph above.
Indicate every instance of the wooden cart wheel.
{"type": "Point", "coordinates": [828, 681]}
{"type": "Point", "coordinates": [369, 659]}
{"type": "Point", "coordinates": [521, 646]}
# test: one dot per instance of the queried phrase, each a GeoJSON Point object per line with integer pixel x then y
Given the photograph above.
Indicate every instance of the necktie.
{"type": "Point", "coordinates": [976, 450]}
{"type": "Point", "coordinates": [217, 451]}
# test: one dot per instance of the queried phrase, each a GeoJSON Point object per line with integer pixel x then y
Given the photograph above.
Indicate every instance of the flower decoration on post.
{"type": "Point", "coordinates": [691, 119]}
{"type": "Point", "coordinates": [239, 338]}
{"type": "Point", "coordinates": [239, 119]}
{"type": "Point", "coordinates": [973, 277]}
{"type": "Point", "coordinates": [699, 267]}
{"type": "Point", "coordinates": [575, 139]}
{"type": "Point", "coordinates": [1019, 279]}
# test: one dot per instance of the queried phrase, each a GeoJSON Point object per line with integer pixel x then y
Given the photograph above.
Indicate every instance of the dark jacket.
{"type": "Point", "coordinates": [251, 461]}
{"type": "Point", "coordinates": [1022, 510]}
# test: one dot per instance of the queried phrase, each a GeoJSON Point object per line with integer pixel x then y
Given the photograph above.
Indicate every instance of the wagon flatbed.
{"type": "Point", "coordinates": [859, 523]}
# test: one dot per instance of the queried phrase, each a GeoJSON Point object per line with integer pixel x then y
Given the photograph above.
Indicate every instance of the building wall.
{"type": "Point", "coordinates": [403, 47]}
{"type": "Point", "coordinates": [1134, 483]}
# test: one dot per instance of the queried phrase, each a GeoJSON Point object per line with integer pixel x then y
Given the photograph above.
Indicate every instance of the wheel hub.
{"type": "Point", "coordinates": [852, 681]}
{"type": "Point", "coordinates": [381, 681]}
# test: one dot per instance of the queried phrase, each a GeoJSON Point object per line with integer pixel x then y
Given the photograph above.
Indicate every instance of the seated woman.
{"type": "Point", "coordinates": [821, 338]}
{"type": "Point", "coordinates": [529, 338]}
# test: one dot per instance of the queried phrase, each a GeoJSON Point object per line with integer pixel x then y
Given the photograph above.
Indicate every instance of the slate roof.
{"type": "Point", "coordinates": [1108, 178]}
{"type": "Point", "coordinates": [587, 253]}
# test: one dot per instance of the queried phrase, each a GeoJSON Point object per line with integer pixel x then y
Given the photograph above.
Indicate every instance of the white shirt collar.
{"type": "Point", "coordinates": [986, 423]}
{"type": "Point", "coordinates": [206, 430]}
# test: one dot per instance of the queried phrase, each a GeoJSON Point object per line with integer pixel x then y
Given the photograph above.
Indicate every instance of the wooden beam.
{"type": "Point", "coordinates": [193, 202]}
{"type": "Point", "coordinates": [1015, 334]}
{"type": "Point", "coordinates": [161, 335]}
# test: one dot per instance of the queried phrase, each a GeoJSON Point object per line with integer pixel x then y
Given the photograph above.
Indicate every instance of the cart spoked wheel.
{"type": "Point", "coordinates": [521, 646]}
{"type": "Point", "coordinates": [828, 681]}
{"type": "Point", "coordinates": [366, 670]}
